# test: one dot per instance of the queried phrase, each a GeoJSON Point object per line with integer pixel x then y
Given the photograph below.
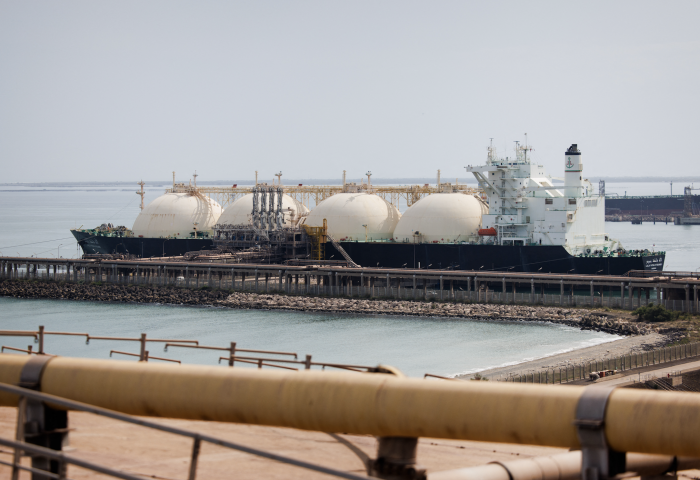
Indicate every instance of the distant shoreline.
{"type": "Point", "coordinates": [327, 181]}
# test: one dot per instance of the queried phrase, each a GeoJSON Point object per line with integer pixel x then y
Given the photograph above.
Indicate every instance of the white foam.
{"type": "Point", "coordinates": [580, 346]}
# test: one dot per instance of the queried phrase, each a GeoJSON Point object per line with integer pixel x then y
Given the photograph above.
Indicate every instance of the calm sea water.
{"type": "Point", "coordinates": [36, 222]}
{"type": "Point", "coordinates": [414, 345]}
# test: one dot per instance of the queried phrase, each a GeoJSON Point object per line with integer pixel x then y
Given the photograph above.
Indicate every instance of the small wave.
{"type": "Point", "coordinates": [580, 346]}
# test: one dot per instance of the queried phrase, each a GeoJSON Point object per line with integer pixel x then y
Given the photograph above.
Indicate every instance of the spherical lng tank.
{"type": "Point", "coordinates": [177, 215]}
{"type": "Point", "coordinates": [240, 212]}
{"type": "Point", "coordinates": [441, 218]}
{"type": "Point", "coordinates": [348, 213]}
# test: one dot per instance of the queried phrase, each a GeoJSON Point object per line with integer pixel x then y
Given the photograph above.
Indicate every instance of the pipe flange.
{"type": "Point", "coordinates": [598, 460]}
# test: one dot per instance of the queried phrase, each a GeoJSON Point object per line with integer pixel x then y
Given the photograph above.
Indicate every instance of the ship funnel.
{"type": "Point", "coordinates": [573, 180]}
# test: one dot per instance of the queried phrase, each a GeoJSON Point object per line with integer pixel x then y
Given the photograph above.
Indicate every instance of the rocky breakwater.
{"type": "Point", "coordinates": [584, 319]}
{"type": "Point", "coordinates": [110, 293]}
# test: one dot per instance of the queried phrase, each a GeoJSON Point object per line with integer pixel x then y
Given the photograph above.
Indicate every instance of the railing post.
{"type": "Point", "coordinates": [41, 339]}
{"type": "Point", "coordinates": [231, 354]}
{"type": "Point", "coordinates": [142, 353]}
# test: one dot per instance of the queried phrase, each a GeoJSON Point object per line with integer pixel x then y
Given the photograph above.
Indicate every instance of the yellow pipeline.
{"type": "Point", "coordinates": [376, 404]}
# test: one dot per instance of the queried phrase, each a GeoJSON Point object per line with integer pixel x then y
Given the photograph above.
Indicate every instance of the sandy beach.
{"type": "Point", "coordinates": [597, 352]}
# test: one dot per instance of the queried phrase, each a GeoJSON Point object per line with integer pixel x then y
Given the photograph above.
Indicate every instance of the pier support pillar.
{"type": "Point", "coordinates": [687, 305]}
{"type": "Point", "coordinates": [441, 287]}
{"type": "Point", "coordinates": [561, 292]}
{"type": "Point", "coordinates": [532, 290]}
{"type": "Point", "coordinates": [592, 297]}
{"type": "Point", "coordinates": [256, 280]}
{"type": "Point", "coordinates": [414, 287]}
{"type": "Point", "coordinates": [622, 295]}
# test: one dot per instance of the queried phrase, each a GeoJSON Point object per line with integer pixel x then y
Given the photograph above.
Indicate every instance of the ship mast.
{"type": "Point", "coordinates": [141, 192]}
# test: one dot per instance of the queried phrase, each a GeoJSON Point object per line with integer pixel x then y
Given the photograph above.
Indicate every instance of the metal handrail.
{"type": "Point", "coordinates": [36, 450]}
{"type": "Point", "coordinates": [18, 333]}
{"type": "Point", "coordinates": [228, 349]}
{"type": "Point", "coordinates": [259, 363]}
{"type": "Point", "coordinates": [437, 376]}
{"type": "Point", "coordinates": [91, 337]}
{"type": "Point", "coordinates": [148, 357]}
{"type": "Point", "coordinates": [197, 437]}
{"type": "Point", "coordinates": [5, 347]}
{"type": "Point", "coordinates": [307, 362]}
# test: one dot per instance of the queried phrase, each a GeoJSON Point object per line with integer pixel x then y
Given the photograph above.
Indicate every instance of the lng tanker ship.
{"type": "Point", "coordinates": [524, 224]}
{"type": "Point", "coordinates": [521, 223]}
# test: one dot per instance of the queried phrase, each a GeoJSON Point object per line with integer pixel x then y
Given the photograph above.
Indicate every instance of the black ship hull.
{"type": "Point", "coordinates": [141, 247]}
{"type": "Point", "coordinates": [545, 259]}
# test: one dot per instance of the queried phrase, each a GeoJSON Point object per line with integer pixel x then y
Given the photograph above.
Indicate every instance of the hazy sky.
{"type": "Point", "coordinates": [94, 91]}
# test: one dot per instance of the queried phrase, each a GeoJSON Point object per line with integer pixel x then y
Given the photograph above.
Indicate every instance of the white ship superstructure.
{"type": "Point", "coordinates": [525, 208]}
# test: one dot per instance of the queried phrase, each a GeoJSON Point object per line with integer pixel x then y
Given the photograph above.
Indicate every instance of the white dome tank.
{"type": "Point", "coordinates": [175, 215]}
{"type": "Point", "coordinates": [441, 218]}
{"type": "Point", "coordinates": [347, 213]}
{"type": "Point", "coordinates": [240, 212]}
